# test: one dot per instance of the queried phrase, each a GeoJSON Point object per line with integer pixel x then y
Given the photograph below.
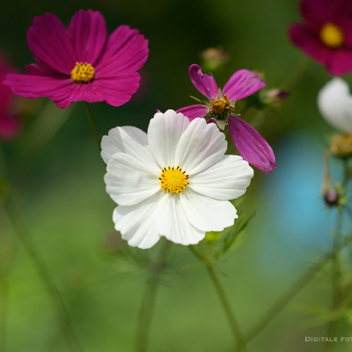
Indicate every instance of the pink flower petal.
{"type": "Point", "coordinates": [48, 40]}
{"type": "Point", "coordinates": [194, 111]}
{"type": "Point", "coordinates": [242, 84]}
{"type": "Point", "coordinates": [309, 43]}
{"type": "Point", "coordinates": [118, 89]}
{"type": "Point", "coordinates": [204, 83]}
{"type": "Point", "coordinates": [340, 62]}
{"type": "Point", "coordinates": [87, 32]}
{"type": "Point", "coordinates": [32, 86]}
{"type": "Point", "coordinates": [251, 145]}
{"type": "Point", "coordinates": [125, 49]}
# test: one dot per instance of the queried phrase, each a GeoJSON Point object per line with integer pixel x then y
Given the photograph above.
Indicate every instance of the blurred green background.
{"type": "Point", "coordinates": [59, 189]}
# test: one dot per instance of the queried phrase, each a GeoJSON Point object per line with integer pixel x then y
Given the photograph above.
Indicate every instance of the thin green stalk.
{"type": "Point", "coordinates": [286, 298]}
{"type": "Point", "coordinates": [149, 299]}
{"type": "Point", "coordinates": [92, 124]}
{"type": "Point", "coordinates": [42, 269]}
{"type": "Point", "coordinates": [236, 331]}
{"type": "Point", "coordinates": [336, 270]}
{"type": "Point", "coordinates": [296, 74]}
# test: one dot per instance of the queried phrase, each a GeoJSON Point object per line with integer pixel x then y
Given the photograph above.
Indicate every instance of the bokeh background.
{"type": "Point", "coordinates": [58, 186]}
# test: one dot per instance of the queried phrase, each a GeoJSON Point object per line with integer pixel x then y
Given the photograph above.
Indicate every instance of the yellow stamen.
{"type": "Point", "coordinates": [173, 180]}
{"type": "Point", "coordinates": [221, 106]}
{"type": "Point", "coordinates": [332, 35]}
{"type": "Point", "coordinates": [82, 72]}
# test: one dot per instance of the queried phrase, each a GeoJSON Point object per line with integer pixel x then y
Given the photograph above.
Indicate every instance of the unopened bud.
{"type": "Point", "coordinates": [331, 197]}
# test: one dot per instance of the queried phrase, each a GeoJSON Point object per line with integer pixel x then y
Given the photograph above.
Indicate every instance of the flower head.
{"type": "Point", "coordinates": [326, 35]}
{"type": "Point", "coordinates": [81, 62]}
{"type": "Point", "coordinates": [9, 122]}
{"type": "Point", "coordinates": [174, 181]}
{"type": "Point", "coordinates": [220, 109]}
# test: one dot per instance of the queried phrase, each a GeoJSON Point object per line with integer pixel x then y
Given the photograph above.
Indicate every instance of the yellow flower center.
{"type": "Point", "coordinates": [220, 108]}
{"type": "Point", "coordinates": [82, 72]}
{"type": "Point", "coordinates": [332, 35]}
{"type": "Point", "coordinates": [173, 180]}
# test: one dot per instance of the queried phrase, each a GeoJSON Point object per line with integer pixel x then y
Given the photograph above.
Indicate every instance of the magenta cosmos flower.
{"type": "Point", "coordinates": [220, 110]}
{"type": "Point", "coordinates": [81, 62]}
{"type": "Point", "coordinates": [10, 124]}
{"type": "Point", "coordinates": [326, 35]}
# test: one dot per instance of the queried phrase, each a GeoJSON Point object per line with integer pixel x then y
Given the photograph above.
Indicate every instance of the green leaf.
{"type": "Point", "coordinates": [234, 236]}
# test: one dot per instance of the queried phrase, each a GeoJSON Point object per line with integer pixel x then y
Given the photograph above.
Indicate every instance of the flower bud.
{"type": "Point", "coordinates": [331, 197]}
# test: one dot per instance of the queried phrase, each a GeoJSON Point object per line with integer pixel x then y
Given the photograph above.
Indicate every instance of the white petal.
{"type": "Point", "coordinates": [164, 133]}
{"type": "Point", "coordinates": [128, 181]}
{"type": "Point", "coordinates": [335, 104]}
{"type": "Point", "coordinates": [207, 214]}
{"type": "Point", "coordinates": [136, 223]}
{"type": "Point", "coordinates": [200, 146]}
{"type": "Point", "coordinates": [171, 221]}
{"type": "Point", "coordinates": [225, 180]}
{"type": "Point", "coordinates": [128, 140]}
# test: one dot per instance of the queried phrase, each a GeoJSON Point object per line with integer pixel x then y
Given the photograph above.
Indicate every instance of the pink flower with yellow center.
{"type": "Point", "coordinates": [81, 63]}
{"type": "Point", "coordinates": [220, 110]}
{"type": "Point", "coordinates": [326, 35]}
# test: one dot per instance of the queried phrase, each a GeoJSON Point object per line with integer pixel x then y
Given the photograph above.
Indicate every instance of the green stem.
{"type": "Point", "coordinates": [92, 124]}
{"type": "Point", "coordinates": [236, 331]}
{"type": "Point", "coordinates": [336, 270]}
{"type": "Point", "coordinates": [296, 74]}
{"type": "Point", "coordinates": [43, 271]}
{"type": "Point", "coordinates": [286, 298]}
{"type": "Point", "coordinates": [149, 299]}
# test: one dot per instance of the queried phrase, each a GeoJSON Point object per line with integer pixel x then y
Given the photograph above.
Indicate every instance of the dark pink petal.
{"type": "Point", "coordinates": [87, 32]}
{"type": "Point", "coordinates": [10, 126]}
{"type": "Point", "coordinates": [309, 43]}
{"type": "Point", "coordinates": [204, 83]}
{"type": "Point", "coordinates": [340, 62]}
{"type": "Point", "coordinates": [194, 111]}
{"type": "Point", "coordinates": [32, 86]}
{"type": "Point", "coordinates": [125, 49]}
{"type": "Point", "coordinates": [242, 84]}
{"type": "Point", "coordinates": [118, 89]}
{"type": "Point", "coordinates": [318, 12]}
{"type": "Point", "coordinates": [49, 41]}
{"type": "Point", "coordinates": [251, 145]}
{"type": "Point", "coordinates": [212, 121]}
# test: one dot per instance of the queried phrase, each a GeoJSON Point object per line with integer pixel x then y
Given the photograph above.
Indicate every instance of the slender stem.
{"type": "Point", "coordinates": [149, 298]}
{"type": "Point", "coordinates": [92, 124]}
{"type": "Point", "coordinates": [286, 298]}
{"type": "Point", "coordinates": [40, 265]}
{"type": "Point", "coordinates": [336, 270]}
{"type": "Point", "coordinates": [296, 74]}
{"type": "Point", "coordinates": [236, 331]}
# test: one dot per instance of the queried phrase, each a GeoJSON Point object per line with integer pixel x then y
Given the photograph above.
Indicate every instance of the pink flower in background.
{"type": "Point", "coordinates": [81, 63]}
{"type": "Point", "coordinates": [326, 35]}
{"type": "Point", "coordinates": [220, 110]}
{"type": "Point", "coordinates": [9, 123]}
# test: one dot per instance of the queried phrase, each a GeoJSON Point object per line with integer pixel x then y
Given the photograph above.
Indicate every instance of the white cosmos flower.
{"type": "Point", "coordinates": [335, 104]}
{"type": "Point", "coordinates": [174, 181]}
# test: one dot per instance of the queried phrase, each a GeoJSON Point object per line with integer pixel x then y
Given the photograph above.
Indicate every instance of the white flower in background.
{"type": "Point", "coordinates": [174, 181]}
{"type": "Point", "coordinates": [335, 104]}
